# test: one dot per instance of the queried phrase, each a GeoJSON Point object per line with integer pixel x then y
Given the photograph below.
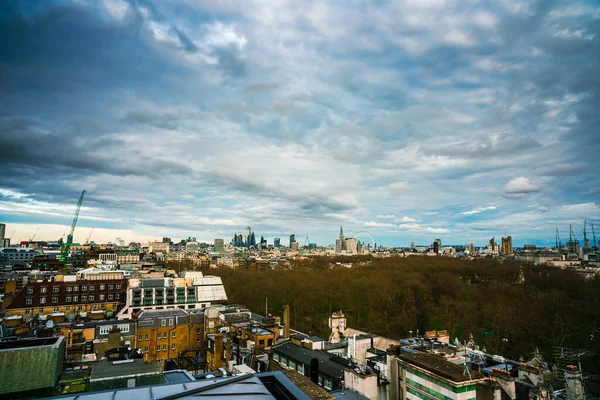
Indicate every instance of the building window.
{"type": "Point", "coordinates": [327, 383]}
{"type": "Point", "coordinates": [163, 322]}
{"type": "Point", "coordinates": [54, 299]}
{"type": "Point", "coordinates": [146, 349]}
{"type": "Point", "coordinates": [173, 346]}
{"type": "Point", "coordinates": [170, 321]}
{"type": "Point", "coordinates": [276, 356]}
{"type": "Point", "coordinates": [55, 289]}
{"type": "Point", "coordinates": [140, 338]}
{"type": "Point", "coordinates": [118, 286]}
{"type": "Point", "coordinates": [68, 299]}
{"type": "Point", "coordinates": [300, 368]}
{"type": "Point", "coordinates": [56, 309]}
{"type": "Point", "coordinates": [68, 308]}
{"type": "Point", "coordinates": [284, 360]}
{"type": "Point", "coordinates": [118, 296]}
{"type": "Point", "coordinates": [29, 301]}
{"type": "Point", "coordinates": [83, 287]}
{"type": "Point", "coordinates": [292, 364]}
{"type": "Point", "coordinates": [40, 310]}
{"type": "Point", "coordinates": [198, 331]}
{"type": "Point", "coordinates": [164, 335]}
{"type": "Point", "coordinates": [111, 286]}
{"type": "Point", "coordinates": [42, 300]}
{"type": "Point", "coordinates": [92, 287]}
{"type": "Point", "coordinates": [43, 289]}
{"type": "Point", "coordinates": [110, 296]}
{"type": "Point", "coordinates": [27, 312]}
{"type": "Point", "coordinates": [101, 297]}
{"type": "Point", "coordinates": [76, 288]}
{"type": "Point", "coordinates": [146, 337]}
{"type": "Point", "coordinates": [92, 297]}
{"type": "Point", "coordinates": [173, 334]}
{"type": "Point", "coordinates": [29, 290]}
{"type": "Point", "coordinates": [76, 298]}
{"type": "Point", "coordinates": [164, 347]}
{"type": "Point", "coordinates": [69, 288]}
{"type": "Point", "coordinates": [84, 297]}
{"type": "Point", "coordinates": [158, 336]}
{"type": "Point", "coordinates": [158, 347]}
{"type": "Point", "coordinates": [101, 287]}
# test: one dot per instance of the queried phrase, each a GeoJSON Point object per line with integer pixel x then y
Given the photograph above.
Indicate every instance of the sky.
{"type": "Point", "coordinates": [411, 120]}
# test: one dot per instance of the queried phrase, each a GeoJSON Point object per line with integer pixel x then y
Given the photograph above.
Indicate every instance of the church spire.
{"type": "Point", "coordinates": [341, 232]}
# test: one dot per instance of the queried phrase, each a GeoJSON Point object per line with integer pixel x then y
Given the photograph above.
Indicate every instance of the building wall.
{"type": "Point", "coordinates": [416, 384]}
{"type": "Point", "coordinates": [68, 297]}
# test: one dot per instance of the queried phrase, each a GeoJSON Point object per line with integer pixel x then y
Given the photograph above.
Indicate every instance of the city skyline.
{"type": "Point", "coordinates": [413, 120]}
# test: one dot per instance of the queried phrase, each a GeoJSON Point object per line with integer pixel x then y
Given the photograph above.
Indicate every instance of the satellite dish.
{"type": "Point", "coordinates": [50, 324]}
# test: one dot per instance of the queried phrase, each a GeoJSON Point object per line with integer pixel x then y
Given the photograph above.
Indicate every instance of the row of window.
{"type": "Point", "coordinates": [158, 336]}
{"type": "Point", "coordinates": [30, 311]}
{"type": "Point", "coordinates": [75, 298]}
{"type": "Point", "coordinates": [124, 328]}
{"type": "Point", "coordinates": [164, 347]}
{"type": "Point", "coordinates": [75, 288]}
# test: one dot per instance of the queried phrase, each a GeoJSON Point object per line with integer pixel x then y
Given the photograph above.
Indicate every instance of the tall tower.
{"type": "Point", "coordinates": [292, 239]}
{"type": "Point", "coordinates": [247, 236]}
{"type": "Point", "coordinates": [2, 234]}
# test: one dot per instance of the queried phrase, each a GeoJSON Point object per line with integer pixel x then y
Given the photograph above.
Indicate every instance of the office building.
{"type": "Point", "coordinates": [158, 247]}
{"type": "Point", "coordinates": [248, 232]}
{"type": "Point", "coordinates": [192, 291]}
{"type": "Point", "coordinates": [2, 233]}
{"type": "Point", "coordinates": [277, 242]}
{"type": "Point", "coordinates": [351, 245]}
{"type": "Point", "coordinates": [340, 243]}
{"type": "Point", "coordinates": [292, 239]}
{"type": "Point", "coordinates": [219, 246]}
{"type": "Point", "coordinates": [425, 376]}
{"type": "Point", "coordinates": [10, 256]}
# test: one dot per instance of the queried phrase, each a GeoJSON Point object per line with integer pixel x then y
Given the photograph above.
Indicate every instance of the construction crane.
{"type": "Point", "coordinates": [586, 244]}
{"type": "Point", "coordinates": [33, 237]}
{"type": "Point", "coordinates": [64, 248]}
{"type": "Point", "coordinates": [87, 241]}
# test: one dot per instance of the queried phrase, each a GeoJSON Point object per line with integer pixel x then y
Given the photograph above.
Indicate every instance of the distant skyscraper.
{"type": "Point", "coordinates": [292, 239]}
{"type": "Point", "coordinates": [277, 242]}
{"type": "Point", "coordinates": [219, 245]}
{"type": "Point", "coordinates": [340, 243]}
{"type": "Point", "coordinates": [252, 239]}
{"type": "Point", "coordinates": [507, 245]}
{"type": "Point", "coordinates": [247, 236]}
{"type": "Point", "coordinates": [263, 242]}
{"type": "Point", "coordinates": [2, 234]}
{"type": "Point", "coordinates": [351, 245]}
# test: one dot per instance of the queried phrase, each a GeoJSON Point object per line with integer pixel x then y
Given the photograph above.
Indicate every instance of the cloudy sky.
{"type": "Point", "coordinates": [411, 119]}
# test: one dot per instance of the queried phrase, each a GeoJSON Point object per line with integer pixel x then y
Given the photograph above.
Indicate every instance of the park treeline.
{"type": "Point", "coordinates": [392, 296]}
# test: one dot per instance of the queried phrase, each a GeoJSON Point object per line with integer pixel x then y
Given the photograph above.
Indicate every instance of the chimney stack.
{"type": "Point", "coordinates": [286, 321]}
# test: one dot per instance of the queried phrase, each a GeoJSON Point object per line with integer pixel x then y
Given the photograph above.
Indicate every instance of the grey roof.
{"type": "Point", "coordinates": [329, 364]}
{"type": "Point", "coordinates": [177, 312]}
{"type": "Point", "coordinates": [347, 395]}
{"type": "Point", "coordinates": [251, 388]}
{"type": "Point", "coordinates": [106, 370]}
{"type": "Point", "coordinates": [178, 376]}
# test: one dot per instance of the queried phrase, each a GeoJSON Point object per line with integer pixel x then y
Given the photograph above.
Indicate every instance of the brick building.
{"type": "Point", "coordinates": [69, 297]}
{"type": "Point", "coordinates": [169, 334]}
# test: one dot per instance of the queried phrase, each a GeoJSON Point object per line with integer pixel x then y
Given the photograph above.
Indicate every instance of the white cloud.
{"type": "Point", "coordinates": [405, 219]}
{"type": "Point", "coordinates": [478, 210]}
{"type": "Point", "coordinates": [374, 224]}
{"type": "Point", "coordinates": [520, 187]}
{"type": "Point", "coordinates": [387, 216]}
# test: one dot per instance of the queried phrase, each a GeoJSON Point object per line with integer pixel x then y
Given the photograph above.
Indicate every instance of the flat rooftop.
{"type": "Point", "coordinates": [24, 343]}
{"type": "Point", "coordinates": [108, 369]}
{"type": "Point", "coordinates": [440, 366]}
